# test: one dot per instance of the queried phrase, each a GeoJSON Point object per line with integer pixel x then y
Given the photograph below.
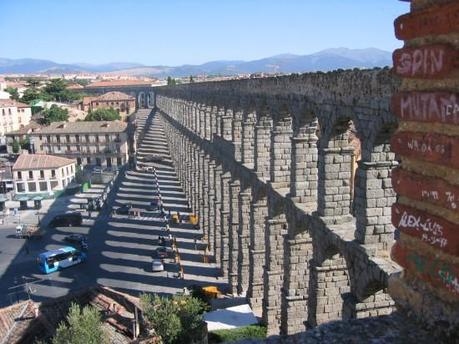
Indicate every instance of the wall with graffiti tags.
{"type": "Point", "coordinates": [426, 214]}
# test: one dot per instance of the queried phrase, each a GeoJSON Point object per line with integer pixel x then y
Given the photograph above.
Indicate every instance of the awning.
{"type": "Point", "coordinates": [38, 198]}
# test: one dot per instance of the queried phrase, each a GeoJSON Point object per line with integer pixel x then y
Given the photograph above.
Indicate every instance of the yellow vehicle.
{"type": "Point", "coordinates": [211, 291]}
{"type": "Point", "coordinates": [194, 219]}
{"type": "Point", "coordinates": [175, 218]}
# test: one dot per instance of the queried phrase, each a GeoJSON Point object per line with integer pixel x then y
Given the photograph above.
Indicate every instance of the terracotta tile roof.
{"type": "Point", "coordinates": [115, 95]}
{"type": "Point", "coordinates": [11, 102]}
{"type": "Point", "coordinates": [22, 105]}
{"type": "Point", "coordinates": [31, 127]}
{"type": "Point", "coordinates": [40, 162]}
{"type": "Point", "coordinates": [119, 83]}
{"type": "Point", "coordinates": [74, 86]}
{"type": "Point", "coordinates": [19, 325]}
{"type": "Point", "coordinates": [84, 127]}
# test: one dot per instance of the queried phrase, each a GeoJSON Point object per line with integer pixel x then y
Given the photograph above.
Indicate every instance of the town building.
{"type": "Point", "coordinates": [13, 116]}
{"type": "Point", "coordinates": [42, 174]}
{"type": "Point", "coordinates": [122, 102]}
{"type": "Point", "coordinates": [98, 143]}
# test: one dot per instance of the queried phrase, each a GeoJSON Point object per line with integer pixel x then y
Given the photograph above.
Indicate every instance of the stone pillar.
{"type": "Point", "coordinates": [218, 171]}
{"type": "Point", "coordinates": [258, 221]}
{"type": "Point", "coordinates": [273, 272]}
{"type": "Point", "coordinates": [209, 221]}
{"type": "Point", "coordinates": [374, 197]}
{"type": "Point", "coordinates": [225, 221]}
{"type": "Point", "coordinates": [304, 171]}
{"type": "Point", "coordinates": [335, 171]}
{"type": "Point", "coordinates": [237, 135]}
{"type": "Point", "coordinates": [262, 147]}
{"type": "Point", "coordinates": [227, 127]}
{"type": "Point", "coordinates": [205, 198]}
{"type": "Point", "coordinates": [208, 123]}
{"type": "Point", "coordinates": [248, 140]}
{"type": "Point", "coordinates": [235, 188]}
{"type": "Point", "coordinates": [281, 153]}
{"type": "Point", "coordinates": [296, 281]}
{"type": "Point", "coordinates": [245, 198]}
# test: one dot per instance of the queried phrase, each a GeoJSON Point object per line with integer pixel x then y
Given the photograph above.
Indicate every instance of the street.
{"type": "Point", "coordinates": [120, 246]}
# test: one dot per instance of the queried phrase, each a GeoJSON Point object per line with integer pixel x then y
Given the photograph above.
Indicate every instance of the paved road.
{"type": "Point", "coordinates": [121, 248]}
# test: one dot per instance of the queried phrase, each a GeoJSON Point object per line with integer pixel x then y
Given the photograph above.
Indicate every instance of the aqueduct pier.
{"type": "Point", "coordinates": [291, 177]}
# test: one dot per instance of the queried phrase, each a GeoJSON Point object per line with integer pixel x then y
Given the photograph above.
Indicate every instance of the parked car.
{"type": "Point", "coordinates": [77, 239]}
{"type": "Point", "coordinates": [157, 265]}
{"type": "Point", "coordinates": [153, 158]}
{"type": "Point", "coordinates": [28, 231]}
{"type": "Point", "coordinates": [67, 219]}
{"type": "Point", "coordinates": [163, 252]}
{"type": "Point", "coordinates": [124, 209]}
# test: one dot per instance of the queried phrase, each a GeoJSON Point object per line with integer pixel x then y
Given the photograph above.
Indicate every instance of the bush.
{"type": "Point", "coordinates": [55, 114]}
{"type": "Point", "coordinates": [176, 320]}
{"type": "Point", "coordinates": [82, 326]}
{"type": "Point", "coordinates": [103, 114]}
{"type": "Point", "coordinates": [247, 332]}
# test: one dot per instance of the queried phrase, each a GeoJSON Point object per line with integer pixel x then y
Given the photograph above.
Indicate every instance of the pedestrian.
{"type": "Point", "coordinates": [169, 212]}
{"type": "Point", "coordinates": [179, 218]}
{"type": "Point", "coordinates": [195, 242]}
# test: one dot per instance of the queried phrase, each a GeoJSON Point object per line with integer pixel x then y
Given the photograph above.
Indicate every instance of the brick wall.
{"type": "Point", "coordinates": [426, 213]}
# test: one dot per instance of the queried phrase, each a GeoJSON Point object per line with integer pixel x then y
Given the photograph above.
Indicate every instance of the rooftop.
{"type": "Point", "coordinates": [119, 83]}
{"type": "Point", "coordinates": [40, 161]}
{"type": "Point", "coordinates": [109, 96]}
{"type": "Point", "coordinates": [29, 128]}
{"type": "Point", "coordinates": [12, 103]}
{"type": "Point", "coordinates": [18, 323]}
{"type": "Point", "coordinates": [84, 127]}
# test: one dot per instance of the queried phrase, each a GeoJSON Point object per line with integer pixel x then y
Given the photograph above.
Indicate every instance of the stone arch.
{"type": "Point", "coordinates": [372, 301]}
{"type": "Point", "coordinates": [374, 192]}
{"type": "Point", "coordinates": [141, 99]}
{"type": "Point", "coordinates": [329, 283]}
{"type": "Point", "coordinates": [339, 147]}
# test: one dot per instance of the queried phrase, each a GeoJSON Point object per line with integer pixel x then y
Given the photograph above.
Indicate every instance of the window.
{"type": "Point", "coordinates": [19, 175]}
{"type": "Point", "coordinates": [40, 137]}
{"type": "Point", "coordinates": [119, 161]}
{"type": "Point", "coordinates": [107, 138]}
{"type": "Point", "coordinates": [9, 111]}
{"type": "Point", "coordinates": [98, 162]}
{"type": "Point", "coordinates": [30, 174]}
{"type": "Point", "coordinates": [58, 138]}
{"type": "Point", "coordinates": [53, 173]}
{"type": "Point", "coordinates": [68, 148]}
{"type": "Point", "coordinates": [88, 160]}
{"type": "Point", "coordinates": [71, 168]}
{"type": "Point", "coordinates": [97, 138]}
{"type": "Point", "coordinates": [54, 184]}
{"type": "Point", "coordinates": [43, 186]}
{"type": "Point", "coordinates": [67, 138]}
{"type": "Point", "coordinates": [87, 138]}
{"type": "Point", "coordinates": [42, 174]}
{"type": "Point", "coordinates": [20, 187]}
{"type": "Point", "coordinates": [67, 169]}
{"type": "Point", "coordinates": [77, 138]}
{"type": "Point", "coordinates": [32, 187]}
{"type": "Point", "coordinates": [109, 162]}
{"type": "Point", "coordinates": [78, 160]}
{"type": "Point", "coordinates": [48, 139]}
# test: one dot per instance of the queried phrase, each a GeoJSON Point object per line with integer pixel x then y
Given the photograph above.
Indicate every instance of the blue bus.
{"type": "Point", "coordinates": [60, 258]}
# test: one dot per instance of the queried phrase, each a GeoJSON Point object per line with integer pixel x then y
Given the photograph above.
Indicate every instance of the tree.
{"type": "Point", "coordinates": [176, 319]}
{"type": "Point", "coordinates": [103, 114]}
{"type": "Point", "coordinates": [171, 81]}
{"type": "Point", "coordinates": [161, 315]}
{"type": "Point", "coordinates": [14, 94]}
{"type": "Point", "coordinates": [33, 82]}
{"type": "Point", "coordinates": [191, 79]}
{"type": "Point", "coordinates": [81, 327]}
{"type": "Point", "coordinates": [16, 146]}
{"type": "Point", "coordinates": [55, 114]}
{"type": "Point", "coordinates": [30, 95]}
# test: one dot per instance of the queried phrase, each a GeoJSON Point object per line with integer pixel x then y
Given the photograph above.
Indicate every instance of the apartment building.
{"type": "Point", "coordinates": [13, 116]}
{"type": "Point", "coordinates": [42, 174]}
{"type": "Point", "coordinates": [98, 143]}
{"type": "Point", "coordinates": [122, 102]}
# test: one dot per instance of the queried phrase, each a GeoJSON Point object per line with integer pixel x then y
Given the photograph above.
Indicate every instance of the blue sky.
{"type": "Point", "coordinates": [174, 32]}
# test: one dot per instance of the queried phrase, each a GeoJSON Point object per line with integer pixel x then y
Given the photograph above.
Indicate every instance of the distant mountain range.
{"type": "Point", "coordinates": [324, 60]}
